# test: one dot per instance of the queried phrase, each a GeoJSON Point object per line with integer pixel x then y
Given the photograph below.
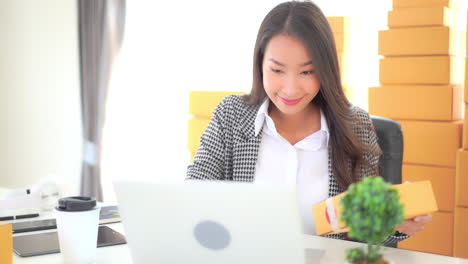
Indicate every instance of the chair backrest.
{"type": "Point", "coordinates": [390, 138]}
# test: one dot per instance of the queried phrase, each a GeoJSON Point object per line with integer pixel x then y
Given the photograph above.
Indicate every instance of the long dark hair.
{"type": "Point", "coordinates": [306, 22]}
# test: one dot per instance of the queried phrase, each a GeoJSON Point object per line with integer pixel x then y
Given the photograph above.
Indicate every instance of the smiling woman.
{"type": "Point", "coordinates": [296, 127]}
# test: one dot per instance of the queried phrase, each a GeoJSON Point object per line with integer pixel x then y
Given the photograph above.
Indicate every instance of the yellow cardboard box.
{"type": "Point", "coordinates": [460, 240]}
{"type": "Point", "coordinates": [338, 24]}
{"type": "Point", "coordinates": [431, 143]}
{"type": "Point", "coordinates": [417, 41]}
{"type": "Point", "coordinates": [417, 17]}
{"type": "Point", "coordinates": [417, 199]}
{"type": "Point", "coordinates": [423, 102]}
{"type": "Point", "coordinates": [6, 244]}
{"type": "Point", "coordinates": [436, 238]}
{"type": "Point", "coordinates": [397, 4]}
{"type": "Point", "coordinates": [442, 180]}
{"type": "Point", "coordinates": [462, 178]}
{"type": "Point", "coordinates": [202, 103]}
{"type": "Point", "coordinates": [418, 70]}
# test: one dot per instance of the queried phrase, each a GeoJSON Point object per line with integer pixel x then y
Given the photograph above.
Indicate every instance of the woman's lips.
{"type": "Point", "coordinates": [290, 101]}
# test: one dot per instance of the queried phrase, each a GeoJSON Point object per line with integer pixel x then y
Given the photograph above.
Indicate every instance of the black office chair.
{"type": "Point", "coordinates": [390, 138]}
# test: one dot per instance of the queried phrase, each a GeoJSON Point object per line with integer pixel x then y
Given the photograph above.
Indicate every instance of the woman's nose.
{"type": "Point", "coordinates": [291, 86]}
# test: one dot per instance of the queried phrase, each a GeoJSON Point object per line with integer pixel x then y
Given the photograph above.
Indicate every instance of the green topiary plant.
{"type": "Point", "coordinates": [372, 211]}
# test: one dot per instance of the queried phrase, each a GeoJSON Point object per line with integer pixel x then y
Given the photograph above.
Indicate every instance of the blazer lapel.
{"type": "Point", "coordinates": [333, 188]}
{"type": "Point", "coordinates": [332, 185]}
{"type": "Point", "coordinates": [246, 146]}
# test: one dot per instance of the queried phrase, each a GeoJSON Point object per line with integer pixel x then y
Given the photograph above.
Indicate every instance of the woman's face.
{"type": "Point", "coordinates": [288, 75]}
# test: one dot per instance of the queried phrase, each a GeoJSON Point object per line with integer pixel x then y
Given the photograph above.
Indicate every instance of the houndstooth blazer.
{"type": "Point", "coordinates": [229, 148]}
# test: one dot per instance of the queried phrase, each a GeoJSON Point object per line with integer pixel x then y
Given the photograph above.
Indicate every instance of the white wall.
{"type": "Point", "coordinates": [40, 124]}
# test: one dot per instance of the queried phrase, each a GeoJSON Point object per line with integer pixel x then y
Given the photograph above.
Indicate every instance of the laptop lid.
{"type": "Point", "coordinates": [210, 222]}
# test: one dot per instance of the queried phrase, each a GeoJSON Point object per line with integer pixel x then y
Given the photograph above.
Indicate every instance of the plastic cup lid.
{"type": "Point", "coordinates": [76, 204]}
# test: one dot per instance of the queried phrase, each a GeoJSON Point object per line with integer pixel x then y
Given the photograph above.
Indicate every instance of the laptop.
{"type": "Point", "coordinates": [210, 222]}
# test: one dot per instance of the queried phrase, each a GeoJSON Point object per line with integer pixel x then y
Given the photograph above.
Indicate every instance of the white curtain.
{"type": "Point", "coordinates": [101, 25]}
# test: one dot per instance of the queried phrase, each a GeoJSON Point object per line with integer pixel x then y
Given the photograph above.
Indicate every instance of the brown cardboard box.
{"type": "Point", "coordinates": [6, 244]}
{"type": "Point", "coordinates": [196, 127]}
{"type": "Point", "coordinates": [418, 70]}
{"type": "Point", "coordinates": [442, 180]}
{"type": "Point", "coordinates": [462, 178]}
{"type": "Point", "coordinates": [424, 102]}
{"type": "Point", "coordinates": [465, 129]}
{"type": "Point", "coordinates": [431, 143]}
{"type": "Point", "coordinates": [397, 4]}
{"type": "Point", "coordinates": [417, 17]}
{"type": "Point", "coordinates": [460, 240]}
{"type": "Point", "coordinates": [417, 41]}
{"type": "Point", "coordinates": [417, 199]}
{"type": "Point", "coordinates": [437, 236]}
{"type": "Point", "coordinates": [338, 24]}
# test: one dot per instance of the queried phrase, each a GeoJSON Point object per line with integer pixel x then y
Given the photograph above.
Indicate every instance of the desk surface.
{"type": "Point", "coordinates": [318, 249]}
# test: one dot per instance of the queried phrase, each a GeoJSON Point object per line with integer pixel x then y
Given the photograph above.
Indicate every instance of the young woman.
{"type": "Point", "coordinates": [296, 126]}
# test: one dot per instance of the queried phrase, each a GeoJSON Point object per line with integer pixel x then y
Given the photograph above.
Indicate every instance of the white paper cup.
{"type": "Point", "coordinates": [77, 232]}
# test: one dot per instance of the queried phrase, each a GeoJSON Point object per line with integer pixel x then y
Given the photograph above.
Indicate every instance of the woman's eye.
{"type": "Point", "coordinates": [275, 70]}
{"type": "Point", "coordinates": [307, 72]}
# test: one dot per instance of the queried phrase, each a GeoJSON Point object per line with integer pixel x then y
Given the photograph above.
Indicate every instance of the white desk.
{"type": "Point", "coordinates": [333, 252]}
{"type": "Point", "coordinates": [3, 191]}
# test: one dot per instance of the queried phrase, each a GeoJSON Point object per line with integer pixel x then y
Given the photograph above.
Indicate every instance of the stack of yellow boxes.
{"type": "Point", "coordinates": [460, 244]}
{"type": "Point", "coordinates": [420, 87]}
{"type": "Point", "coordinates": [340, 26]}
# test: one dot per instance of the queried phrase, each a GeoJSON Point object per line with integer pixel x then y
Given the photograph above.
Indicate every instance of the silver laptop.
{"type": "Point", "coordinates": [210, 222]}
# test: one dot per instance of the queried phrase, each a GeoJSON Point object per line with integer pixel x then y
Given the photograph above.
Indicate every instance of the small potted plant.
{"type": "Point", "coordinates": [372, 211]}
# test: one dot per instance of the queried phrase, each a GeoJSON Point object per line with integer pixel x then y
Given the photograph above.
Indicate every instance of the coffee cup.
{"type": "Point", "coordinates": [77, 225]}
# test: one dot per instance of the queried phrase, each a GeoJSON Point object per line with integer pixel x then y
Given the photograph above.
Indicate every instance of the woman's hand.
{"type": "Point", "coordinates": [415, 225]}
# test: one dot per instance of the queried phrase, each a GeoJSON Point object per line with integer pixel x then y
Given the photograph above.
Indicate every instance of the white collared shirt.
{"type": "Point", "coordinates": [303, 165]}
